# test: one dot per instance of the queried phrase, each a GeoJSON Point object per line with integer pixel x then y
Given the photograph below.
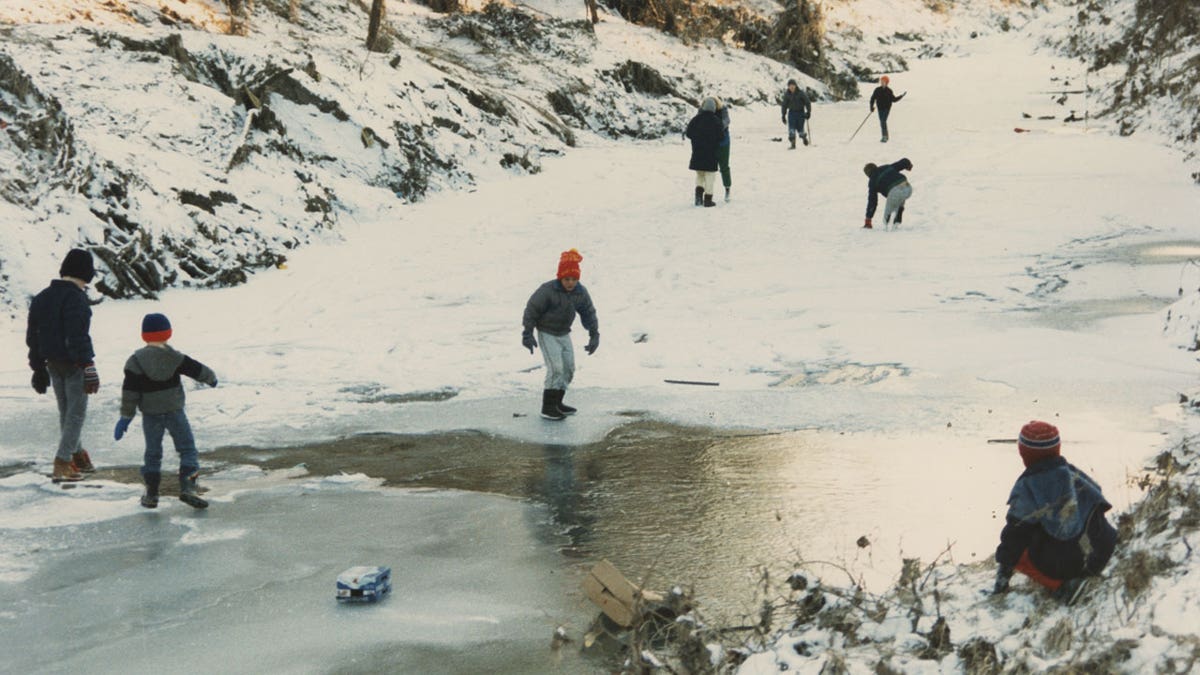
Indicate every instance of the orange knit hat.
{"type": "Point", "coordinates": [568, 264]}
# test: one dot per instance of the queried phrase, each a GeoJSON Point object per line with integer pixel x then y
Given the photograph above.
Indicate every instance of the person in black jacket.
{"type": "Point", "coordinates": [882, 99]}
{"type": "Point", "coordinates": [551, 310]}
{"type": "Point", "coordinates": [1055, 531]}
{"type": "Point", "coordinates": [61, 356]}
{"type": "Point", "coordinates": [887, 181]}
{"type": "Point", "coordinates": [706, 132]}
{"type": "Point", "coordinates": [795, 111]}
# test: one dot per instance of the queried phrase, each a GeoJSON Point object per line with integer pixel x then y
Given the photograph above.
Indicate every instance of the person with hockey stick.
{"type": "Point", "coordinates": [796, 109]}
{"type": "Point", "coordinates": [551, 310]}
{"type": "Point", "coordinates": [1055, 531]}
{"type": "Point", "coordinates": [882, 99]}
{"type": "Point", "coordinates": [887, 180]}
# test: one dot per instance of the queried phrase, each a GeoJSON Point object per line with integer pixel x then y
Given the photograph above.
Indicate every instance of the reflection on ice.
{"type": "Point", "coordinates": [248, 586]}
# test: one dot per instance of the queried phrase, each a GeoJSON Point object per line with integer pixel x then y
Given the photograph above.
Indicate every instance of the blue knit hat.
{"type": "Point", "coordinates": [156, 328]}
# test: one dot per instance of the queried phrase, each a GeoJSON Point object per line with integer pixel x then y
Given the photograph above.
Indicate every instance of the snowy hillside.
{"type": "Point", "coordinates": [186, 157]}
{"type": "Point", "coordinates": [382, 219]}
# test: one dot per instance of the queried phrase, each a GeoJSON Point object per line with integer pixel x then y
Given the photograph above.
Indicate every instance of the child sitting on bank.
{"type": "Point", "coordinates": [152, 385]}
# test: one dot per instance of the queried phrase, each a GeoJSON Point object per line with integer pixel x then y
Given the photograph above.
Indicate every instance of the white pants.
{"type": "Point", "coordinates": [895, 200]}
{"type": "Point", "coordinates": [706, 180]}
{"type": "Point", "coordinates": [559, 355]}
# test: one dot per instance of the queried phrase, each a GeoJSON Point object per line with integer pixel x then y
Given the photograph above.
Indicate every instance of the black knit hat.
{"type": "Point", "coordinates": [78, 264]}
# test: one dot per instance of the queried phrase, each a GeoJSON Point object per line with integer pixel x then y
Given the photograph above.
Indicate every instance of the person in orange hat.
{"type": "Point", "coordinates": [551, 310]}
{"type": "Point", "coordinates": [1055, 531]}
{"type": "Point", "coordinates": [882, 99]}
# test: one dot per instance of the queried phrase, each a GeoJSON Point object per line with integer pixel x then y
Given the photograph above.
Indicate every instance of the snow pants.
{"type": "Point", "coordinates": [895, 201]}
{"type": "Point", "coordinates": [559, 354]}
{"type": "Point", "coordinates": [706, 180]}
{"type": "Point", "coordinates": [67, 381]}
{"type": "Point", "coordinates": [176, 424]}
{"type": "Point", "coordinates": [1050, 562]}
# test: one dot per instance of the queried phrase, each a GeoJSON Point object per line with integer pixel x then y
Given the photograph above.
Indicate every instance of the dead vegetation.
{"type": "Point", "coordinates": [834, 627]}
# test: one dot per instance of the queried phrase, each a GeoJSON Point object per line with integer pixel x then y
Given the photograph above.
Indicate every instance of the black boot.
{"type": "Point", "coordinates": [708, 200]}
{"type": "Point", "coordinates": [550, 405]}
{"type": "Point", "coordinates": [899, 215]}
{"type": "Point", "coordinates": [187, 490]}
{"type": "Point", "coordinates": [558, 401]}
{"type": "Point", "coordinates": [150, 499]}
{"type": "Point", "coordinates": [699, 195]}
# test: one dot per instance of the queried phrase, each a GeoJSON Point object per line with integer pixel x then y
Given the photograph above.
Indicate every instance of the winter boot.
{"type": "Point", "coordinates": [187, 490]}
{"type": "Point", "coordinates": [558, 401]}
{"type": "Point", "coordinates": [726, 194]}
{"type": "Point", "coordinates": [150, 499]}
{"type": "Point", "coordinates": [64, 472]}
{"type": "Point", "coordinates": [699, 195]}
{"type": "Point", "coordinates": [804, 137]}
{"type": "Point", "coordinates": [83, 462]}
{"type": "Point", "coordinates": [550, 409]}
{"type": "Point", "coordinates": [899, 215]}
{"type": "Point", "coordinates": [708, 200]}
{"type": "Point", "coordinates": [792, 140]}
{"type": "Point", "coordinates": [883, 140]}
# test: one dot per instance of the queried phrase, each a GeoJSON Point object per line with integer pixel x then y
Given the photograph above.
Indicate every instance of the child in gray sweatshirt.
{"type": "Point", "coordinates": [152, 384]}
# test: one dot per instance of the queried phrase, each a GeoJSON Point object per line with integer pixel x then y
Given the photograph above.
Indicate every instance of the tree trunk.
{"type": "Point", "coordinates": [591, 8]}
{"type": "Point", "coordinates": [375, 24]}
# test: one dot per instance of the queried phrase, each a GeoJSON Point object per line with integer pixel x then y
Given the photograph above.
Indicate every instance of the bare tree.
{"type": "Point", "coordinates": [239, 16]}
{"type": "Point", "coordinates": [591, 8]}
{"type": "Point", "coordinates": [375, 24]}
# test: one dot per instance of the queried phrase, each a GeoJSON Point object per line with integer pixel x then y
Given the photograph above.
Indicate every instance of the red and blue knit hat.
{"type": "Point", "coordinates": [1038, 441]}
{"type": "Point", "coordinates": [156, 328]}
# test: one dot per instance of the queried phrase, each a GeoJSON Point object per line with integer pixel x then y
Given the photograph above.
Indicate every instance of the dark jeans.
{"type": "Point", "coordinates": [176, 424]}
{"type": "Point", "coordinates": [723, 164]}
{"type": "Point", "coordinates": [883, 115]}
{"type": "Point", "coordinates": [795, 120]}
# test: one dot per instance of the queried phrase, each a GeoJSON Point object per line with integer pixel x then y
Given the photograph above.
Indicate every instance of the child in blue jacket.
{"type": "Point", "coordinates": [1055, 531]}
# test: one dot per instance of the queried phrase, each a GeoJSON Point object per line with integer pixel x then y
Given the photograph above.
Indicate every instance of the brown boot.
{"type": "Point", "coordinates": [83, 462]}
{"type": "Point", "coordinates": [64, 471]}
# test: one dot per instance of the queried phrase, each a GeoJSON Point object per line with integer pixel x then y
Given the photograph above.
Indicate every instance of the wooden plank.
{"type": "Point", "coordinates": [616, 583]}
{"type": "Point", "coordinates": [607, 602]}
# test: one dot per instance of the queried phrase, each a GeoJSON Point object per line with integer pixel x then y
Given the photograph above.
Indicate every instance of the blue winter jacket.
{"type": "Point", "coordinates": [60, 319]}
{"type": "Point", "coordinates": [552, 309]}
{"type": "Point", "coordinates": [883, 180]}
{"type": "Point", "coordinates": [1056, 513]}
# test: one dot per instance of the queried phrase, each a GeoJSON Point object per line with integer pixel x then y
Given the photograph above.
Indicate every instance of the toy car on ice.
{"type": "Point", "coordinates": [364, 584]}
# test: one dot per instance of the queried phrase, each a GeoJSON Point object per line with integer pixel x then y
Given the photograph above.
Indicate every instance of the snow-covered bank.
{"type": "Point", "coordinates": [941, 617]}
{"type": "Point", "coordinates": [1031, 279]}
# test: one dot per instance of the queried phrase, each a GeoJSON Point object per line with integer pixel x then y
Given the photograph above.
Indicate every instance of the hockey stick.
{"type": "Point", "coordinates": [696, 382]}
{"type": "Point", "coordinates": [860, 126]}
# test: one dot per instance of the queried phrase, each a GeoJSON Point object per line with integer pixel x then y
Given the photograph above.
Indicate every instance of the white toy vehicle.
{"type": "Point", "coordinates": [364, 584]}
